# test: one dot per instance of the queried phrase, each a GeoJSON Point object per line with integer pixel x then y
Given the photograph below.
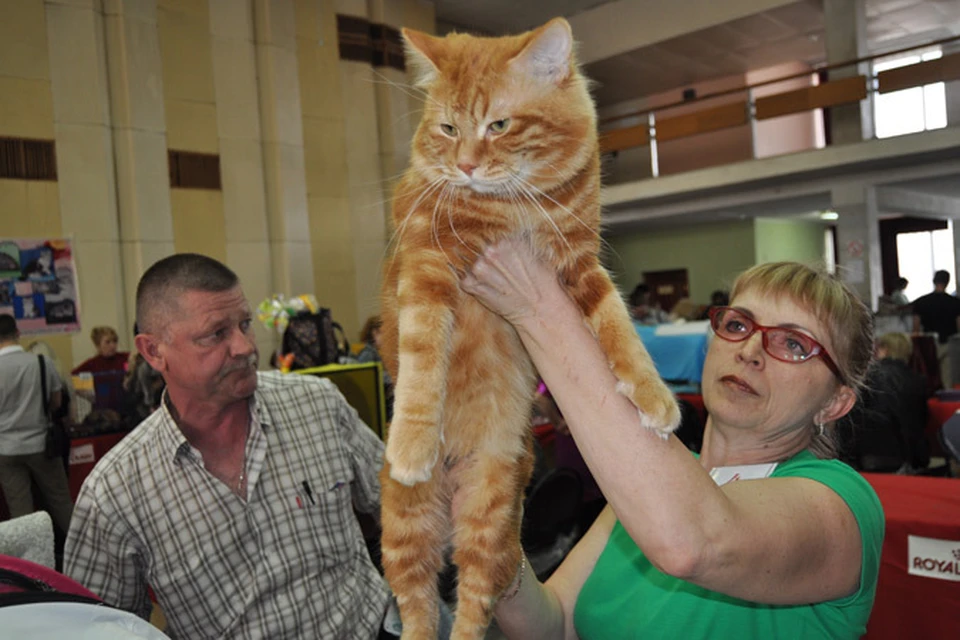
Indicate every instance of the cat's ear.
{"type": "Point", "coordinates": [422, 52]}
{"type": "Point", "coordinates": [547, 55]}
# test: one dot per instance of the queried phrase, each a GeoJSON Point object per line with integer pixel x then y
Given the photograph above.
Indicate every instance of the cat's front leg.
{"type": "Point", "coordinates": [426, 299]}
{"type": "Point", "coordinates": [607, 316]}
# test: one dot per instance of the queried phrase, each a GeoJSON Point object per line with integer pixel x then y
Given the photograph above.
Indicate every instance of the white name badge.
{"type": "Point", "coordinates": [723, 475]}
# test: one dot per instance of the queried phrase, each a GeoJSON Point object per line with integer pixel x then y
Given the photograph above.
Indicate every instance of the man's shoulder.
{"type": "Point", "coordinates": [924, 299]}
{"type": "Point", "coordinates": [125, 459]}
{"type": "Point", "coordinates": [274, 384]}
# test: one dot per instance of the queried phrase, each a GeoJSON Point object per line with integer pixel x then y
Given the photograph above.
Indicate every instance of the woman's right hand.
{"type": "Point", "coordinates": [509, 280]}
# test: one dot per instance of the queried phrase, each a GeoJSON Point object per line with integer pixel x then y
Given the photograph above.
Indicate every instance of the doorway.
{"type": "Point", "coordinates": [666, 287]}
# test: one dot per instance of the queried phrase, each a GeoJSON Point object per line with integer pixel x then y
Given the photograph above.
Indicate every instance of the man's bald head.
{"type": "Point", "coordinates": [163, 284]}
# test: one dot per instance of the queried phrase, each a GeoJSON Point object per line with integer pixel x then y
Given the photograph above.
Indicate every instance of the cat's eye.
{"type": "Point", "coordinates": [499, 126]}
{"type": "Point", "coordinates": [448, 129]}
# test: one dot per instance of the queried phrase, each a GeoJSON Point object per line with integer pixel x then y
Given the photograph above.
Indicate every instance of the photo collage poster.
{"type": "Point", "coordinates": [38, 285]}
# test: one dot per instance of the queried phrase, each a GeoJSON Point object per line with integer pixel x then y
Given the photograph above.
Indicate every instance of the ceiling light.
{"type": "Point", "coordinates": [829, 215]}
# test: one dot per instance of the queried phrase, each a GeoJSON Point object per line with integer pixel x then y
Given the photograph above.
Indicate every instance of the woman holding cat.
{"type": "Point", "coordinates": [682, 550]}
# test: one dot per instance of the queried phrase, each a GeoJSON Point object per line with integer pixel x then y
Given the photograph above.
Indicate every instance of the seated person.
{"type": "Point", "coordinates": [719, 298]}
{"type": "Point", "coordinates": [643, 308]}
{"type": "Point", "coordinates": [370, 335]}
{"type": "Point", "coordinates": [108, 368]}
{"type": "Point", "coordinates": [107, 358]}
{"type": "Point", "coordinates": [885, 431]}
{"type": "Point", "coordinates": [235, 500]}
{"type": "Point", "coordinates": [791, 547]}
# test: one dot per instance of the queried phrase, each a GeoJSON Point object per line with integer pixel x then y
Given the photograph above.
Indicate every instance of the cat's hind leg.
{"type": "Point", "coordinates": [416, 528]}
{"type": "Point", "coordinates": [486, 537]}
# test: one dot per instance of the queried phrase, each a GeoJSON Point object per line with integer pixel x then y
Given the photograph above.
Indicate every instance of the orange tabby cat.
{"type": "Point", "coordinates": [507, 145]}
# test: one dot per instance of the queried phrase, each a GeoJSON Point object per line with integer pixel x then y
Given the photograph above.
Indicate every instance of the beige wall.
{"type": "Point", "coordinates": [302, 201]}
{"type": "Point", "coordinates": [191, 117]}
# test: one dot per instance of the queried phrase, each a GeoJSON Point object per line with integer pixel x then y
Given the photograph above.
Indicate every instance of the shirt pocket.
{"type": "Point", "coordinates": [324, 527]}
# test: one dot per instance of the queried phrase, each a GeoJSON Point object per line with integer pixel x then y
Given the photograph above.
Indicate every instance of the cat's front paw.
{"type": "Point", "coordinates": [411, 460]}
{"type": "Point", "coordinates": [656, 404]}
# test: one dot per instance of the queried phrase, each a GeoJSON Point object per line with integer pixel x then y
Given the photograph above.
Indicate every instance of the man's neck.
{"type": "Point", "coordinates": [207, 424]}
{"type": "Point", "coordinates": [9, 343]}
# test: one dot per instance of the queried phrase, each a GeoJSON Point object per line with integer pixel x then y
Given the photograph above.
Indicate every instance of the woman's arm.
{"type": "Point", "coordinates": [778, 541]}
{"type": "Point", "coordinates": [545, 610]}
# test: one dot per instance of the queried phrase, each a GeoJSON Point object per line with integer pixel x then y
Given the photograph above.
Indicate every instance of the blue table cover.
{"type": "Point", "coordinates": [677, 356]}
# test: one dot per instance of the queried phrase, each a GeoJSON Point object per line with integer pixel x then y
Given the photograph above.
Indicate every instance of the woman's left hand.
{"type": "Point", "coordinates": [509, 280]}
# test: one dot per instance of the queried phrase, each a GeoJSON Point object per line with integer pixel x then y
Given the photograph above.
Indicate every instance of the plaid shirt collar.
{"type": "Point", "coordinates": [172, 438]}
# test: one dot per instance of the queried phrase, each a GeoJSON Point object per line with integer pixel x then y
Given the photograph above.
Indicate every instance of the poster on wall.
{"type": "Point", "coordinates": [38, 285]}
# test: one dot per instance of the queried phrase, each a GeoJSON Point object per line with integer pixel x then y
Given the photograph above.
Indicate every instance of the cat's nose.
{"type": "Point", "coordinates": [466, 168]}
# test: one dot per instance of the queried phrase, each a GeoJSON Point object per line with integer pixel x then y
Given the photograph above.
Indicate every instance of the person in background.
{"type": "Point", "coordinates": [235, 500]}
{"type": "Point", "coordinates": [643, 309]}
{"type": "Point", "coordinates": [370, 336]}
{"type": "Point", "coordinates": [763, 534]}
{"type": "Point", "coordinates": [107, 358]}
{"type": "Point", "coordinates": [885, 431]}
{"type": "Point", "coordinates": [143, 386]}
{"type": "Point", "coordinates": [939, 312]}
{"type": "Point", "coordinates": [718, 298]}
{"type": "Point", "coordinates": [23, 429]}
{"type": "Point", "coordinates": [684, 310]}
{"type": "Point", "coordinates": [898, 296]}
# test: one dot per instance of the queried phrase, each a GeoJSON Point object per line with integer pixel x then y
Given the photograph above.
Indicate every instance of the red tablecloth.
{"type": "Point", "coordinates": [917, 606]}
{"type": "Point", "coordinates": [85, 453]}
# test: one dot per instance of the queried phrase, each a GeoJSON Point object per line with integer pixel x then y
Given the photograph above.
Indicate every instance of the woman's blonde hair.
{"type": "Point", "coordinates": [99, 333]}
{"type": "Point", "coordinates": [847, 320]}
{"type": "Point", "coordinates": [898, 345]}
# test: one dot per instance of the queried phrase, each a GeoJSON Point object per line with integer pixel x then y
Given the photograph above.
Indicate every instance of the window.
{"type": "Point", "coordinates": [922, 253]}
{"type": "Point", "coordinates": [910, 110]}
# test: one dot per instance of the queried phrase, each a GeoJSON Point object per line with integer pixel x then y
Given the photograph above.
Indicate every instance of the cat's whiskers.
{"type": "Point", "coordinates": [450, 206]}
{"type": "Point", "coordinates": [398, 232]}
{"type": "Point", "coordinates": [540, 192]}
{"type": "Point", "coordinates": [524, 189]}
{"type": "Point", "coordinates": [408, 89]}
{"type": "Point", "coordinates": [444, 193]}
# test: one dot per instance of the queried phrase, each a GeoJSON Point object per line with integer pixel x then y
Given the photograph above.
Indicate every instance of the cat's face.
{"type": "Point", "coordinates": [503, 116]}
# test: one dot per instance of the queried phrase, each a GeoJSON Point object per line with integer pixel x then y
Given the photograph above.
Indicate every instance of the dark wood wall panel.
{"type": "Point", "coordinates": [191, 170]}
{"type": "Point", "coordinates": [28, 159]}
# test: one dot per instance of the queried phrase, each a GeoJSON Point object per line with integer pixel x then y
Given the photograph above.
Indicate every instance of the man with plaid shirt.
{"type": "Point", "coordinates": [235, 500]}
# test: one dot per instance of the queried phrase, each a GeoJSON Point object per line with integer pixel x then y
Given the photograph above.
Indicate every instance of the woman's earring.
{"type": "Point", "coordinates": [819, 428]}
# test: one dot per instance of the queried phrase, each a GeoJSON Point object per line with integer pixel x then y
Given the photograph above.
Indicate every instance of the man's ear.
{"type": "Point", "coordinates": [838, 406]}
{"type": "Point", "coordinates": [149, 347]}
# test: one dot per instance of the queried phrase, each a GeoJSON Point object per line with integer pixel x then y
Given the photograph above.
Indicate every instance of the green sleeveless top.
{"type": "Point", "coordinates": [627, 597]}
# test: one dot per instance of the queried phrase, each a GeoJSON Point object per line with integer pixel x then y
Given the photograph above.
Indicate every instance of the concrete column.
{"type": "Point", "coordinates": [281, 128]}
{"type": "Point", "coordinates": [241, 156]}
{"type": "Point", "coordinates": [368, 195]}
{"type": "Point", "coordinates": [955, 284]}
{"type": "Point", "coordinates": [398, 107]}
{"type": "Point", "coordinates": [952, 90]}
{"type": "Point", "coordinates": [846, 39]}
{"type": "Point", "coordinates": [858, 240]}
{"type": "Point", "coordinates": [105, 77]}
{"type": "Point", "coordinates": [135, 76]}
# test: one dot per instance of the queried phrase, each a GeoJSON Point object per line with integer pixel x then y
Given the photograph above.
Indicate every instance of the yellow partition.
{"type": "Point", "coordinates": [362, 385]}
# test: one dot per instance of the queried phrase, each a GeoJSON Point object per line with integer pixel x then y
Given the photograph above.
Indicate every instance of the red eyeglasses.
{"type": "Point", "coordinates": [781, 343]}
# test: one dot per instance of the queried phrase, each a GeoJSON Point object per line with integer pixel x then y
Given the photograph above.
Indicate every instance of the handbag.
{"type": "Point", "coordinates": [56, 440]}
